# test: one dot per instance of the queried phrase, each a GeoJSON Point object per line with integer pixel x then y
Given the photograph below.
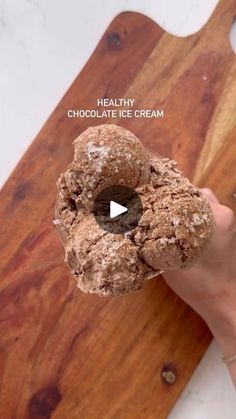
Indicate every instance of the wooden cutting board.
{"type": "Point", "coordinates": [67, 355]}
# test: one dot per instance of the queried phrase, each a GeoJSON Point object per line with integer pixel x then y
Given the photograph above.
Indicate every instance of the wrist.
{"type": "Point", "coordinates": [223, 328]}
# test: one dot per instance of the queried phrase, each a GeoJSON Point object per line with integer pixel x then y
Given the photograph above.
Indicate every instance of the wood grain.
{"type": "Point", "coordinates": [64, 354]}
{"type": "Point", "coordinates": [221, 174]}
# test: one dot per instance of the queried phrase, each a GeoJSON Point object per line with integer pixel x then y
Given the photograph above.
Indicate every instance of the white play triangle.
{"type": "Point", "coordinates": [116, 209]}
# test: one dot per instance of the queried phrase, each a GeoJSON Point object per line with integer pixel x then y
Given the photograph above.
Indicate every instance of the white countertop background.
{"type": "Point", "coordinates": [43, 46]}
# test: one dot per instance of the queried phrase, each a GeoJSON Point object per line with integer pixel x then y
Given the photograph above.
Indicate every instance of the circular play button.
{"type": "Point", "coordinates": [118, 209]}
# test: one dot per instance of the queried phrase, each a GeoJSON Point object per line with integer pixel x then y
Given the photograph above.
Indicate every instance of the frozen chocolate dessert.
{"type": "Point", "coordinates": [104, 155]}
{"type": "Point", "coordinates": [177, 220]}
{"type": "Point", "coordinates": [102, 262]}
{"type": "Point", "coordinates": [175, 226]}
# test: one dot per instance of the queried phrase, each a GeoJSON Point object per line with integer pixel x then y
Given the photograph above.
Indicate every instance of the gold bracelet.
{"type": "Point", "coordinates": [229, 359]}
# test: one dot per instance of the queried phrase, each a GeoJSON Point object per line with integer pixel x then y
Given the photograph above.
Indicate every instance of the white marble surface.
{"type": "Point", "coordinates": [43, 46]}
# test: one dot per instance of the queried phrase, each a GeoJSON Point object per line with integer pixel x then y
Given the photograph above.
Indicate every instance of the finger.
{"type": "Point", "coordinates": [224, 217]}
{"type": "Point", "coordinates": [209, 195]}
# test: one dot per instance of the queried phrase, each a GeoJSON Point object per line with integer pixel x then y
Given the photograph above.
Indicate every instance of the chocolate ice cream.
{"type": "Point", "coordinates": [102, 262]}
{"type": "Point", "coordinates": [104, 155]}
{"type": "Point", "coordinates": [177, 221]}
{"type": "Point", "coordinates": [175, 227]}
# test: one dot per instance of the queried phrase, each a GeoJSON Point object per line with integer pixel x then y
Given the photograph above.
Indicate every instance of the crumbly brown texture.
{"type": "Point", "coordinates": [105, 155]}
{"type": "Point", "coordinates": [103, 262]}
{"type": "Point", "coordinates": [176, 225]}
{"type": "Point", "coordinates": [177, 220]}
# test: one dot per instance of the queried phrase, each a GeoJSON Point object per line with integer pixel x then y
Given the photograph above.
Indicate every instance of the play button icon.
{"type": "Point", "coordinates": [118, 209]}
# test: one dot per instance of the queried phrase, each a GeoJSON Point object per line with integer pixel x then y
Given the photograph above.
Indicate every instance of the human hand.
{"type": "Point", "coordinates": [209, 287]}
